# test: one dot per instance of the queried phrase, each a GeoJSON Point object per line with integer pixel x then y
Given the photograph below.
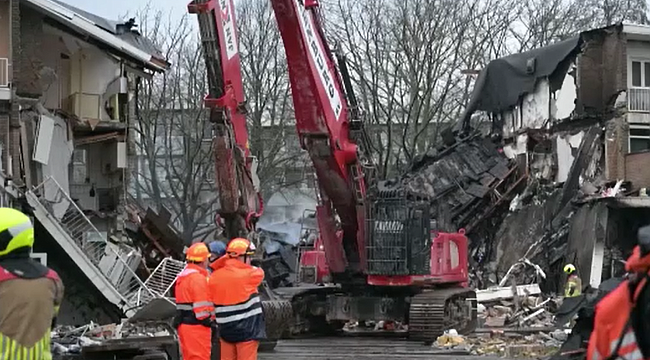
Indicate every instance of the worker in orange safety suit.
{"type": "Point", "coordinates": [238, 308]}
{"type": "Point", "coordinates": [621, 326]}
{"type": "Point", "coordinates": [194, 311]}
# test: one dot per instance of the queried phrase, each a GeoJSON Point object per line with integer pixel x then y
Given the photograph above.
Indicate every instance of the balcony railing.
{"type": "Point", "coordinates": [638, 99]}
{"type": "Point", "coordinates": [4, 72]}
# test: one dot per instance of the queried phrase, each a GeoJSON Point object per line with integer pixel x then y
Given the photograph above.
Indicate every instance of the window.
{"type": "Point", "coordinates": [639, 137]}
{"type": "Point", "coordinates": [78, 167]}
{"type": "Point", "coordinates": [640, 73]}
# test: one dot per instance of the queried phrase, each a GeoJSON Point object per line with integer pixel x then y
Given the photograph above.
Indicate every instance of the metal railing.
{"type": "Point", "coordinates": [638, 99]}
{"type": "Point", "coordinates": [4, 72]}
{"type": "Point", "coordinates": [161, 280]}
{"type": "Point", "coordinates": [116, 261]}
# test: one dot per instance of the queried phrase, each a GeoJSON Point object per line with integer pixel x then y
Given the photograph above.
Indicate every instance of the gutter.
{"type": "Point", "coordinates": [76, 21]}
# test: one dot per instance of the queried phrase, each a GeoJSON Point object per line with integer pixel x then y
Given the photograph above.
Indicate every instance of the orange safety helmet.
{"type": "Point", "coordinates": [240, 247]}
{"type": "Point", "coordinates": [198, 252]}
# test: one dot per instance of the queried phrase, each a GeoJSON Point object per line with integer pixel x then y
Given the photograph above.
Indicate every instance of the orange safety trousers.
{"type": "Point", "coordinates": [195, 341]}
{"type": "Point", "coordinates": [246, 350]}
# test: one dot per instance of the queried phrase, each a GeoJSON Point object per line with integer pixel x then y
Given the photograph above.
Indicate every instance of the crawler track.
{"type": "Point", "coordinates": [434, 311]}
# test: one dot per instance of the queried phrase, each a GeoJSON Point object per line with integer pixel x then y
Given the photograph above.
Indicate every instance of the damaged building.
{"type": "Point", "coordinates": [66, 83]}
{"type": "Point", "coordinates": [575, 117]}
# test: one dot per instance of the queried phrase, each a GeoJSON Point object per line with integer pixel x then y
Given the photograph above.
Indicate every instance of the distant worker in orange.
{"type": "Point", "coordinates": [238, 308]}
{"type": "Point", "coordinates": [194, 310]}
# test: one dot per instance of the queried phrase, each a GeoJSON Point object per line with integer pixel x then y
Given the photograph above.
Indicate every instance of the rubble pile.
{"type": "Point", "coordinates": [514, 322]}
{"type": "Point", "coordinates": [70, 340]}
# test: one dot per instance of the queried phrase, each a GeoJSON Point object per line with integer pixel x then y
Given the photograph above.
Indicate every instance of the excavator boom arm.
{"type": "Point", "coordinates": [240, 202]}
{"type": "Point", "coordinates": [324, 127]}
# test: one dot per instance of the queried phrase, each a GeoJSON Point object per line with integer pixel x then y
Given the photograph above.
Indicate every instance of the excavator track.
{"type": "Point", "coordinates": [277, 317]}
{"type": "Point", "coordinates": [434, 311]}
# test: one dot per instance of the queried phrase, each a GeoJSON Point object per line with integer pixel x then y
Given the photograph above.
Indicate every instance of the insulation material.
{"type": "Point", "coordinates": [566, 150]}
{"type": "Point", "coordinates": [60, 155]}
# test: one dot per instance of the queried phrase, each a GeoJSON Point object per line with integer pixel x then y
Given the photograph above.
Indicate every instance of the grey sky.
{"type": "Point", "coordinates": [115, 8]}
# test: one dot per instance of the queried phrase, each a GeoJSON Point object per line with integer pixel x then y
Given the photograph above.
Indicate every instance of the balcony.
{"type": "Point", "coordinates": [5, 88]}
{"type": "Point", "coordinates": [638, 99]}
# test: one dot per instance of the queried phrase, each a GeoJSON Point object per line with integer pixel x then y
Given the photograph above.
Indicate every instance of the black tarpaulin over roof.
{"type": "Point", "coordinates": [504, 81]}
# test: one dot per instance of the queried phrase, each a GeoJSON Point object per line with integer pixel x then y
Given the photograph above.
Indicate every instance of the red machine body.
{"type": "Point", "coordinates": [240, 203]}
{"type": "Point", "coordinates": [315, 259]}
{"type": "Point", "coordinates": [324, 123]}
{"type": "Point", "coordinates": [382, 274]}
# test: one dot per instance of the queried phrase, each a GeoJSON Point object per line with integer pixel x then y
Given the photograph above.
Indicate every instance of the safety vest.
{"type": "Point", "coordinates": [613, 336]}
{"type": "Point", "coordinates": [192, 303]}
{"type": "Point", "coordinates": [240, 322]}
{"type": "Point", "coordinates": [575, 283]}
{"type": "Point", "coordinates": [10, 349]}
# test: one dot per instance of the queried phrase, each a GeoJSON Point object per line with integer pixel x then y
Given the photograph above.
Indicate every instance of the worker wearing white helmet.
{"type": "Point", "coordinates": [573, 286]}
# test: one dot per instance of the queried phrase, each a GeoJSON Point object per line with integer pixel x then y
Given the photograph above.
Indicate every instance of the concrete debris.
{"type": "Point", "coordinates": [71, 340]}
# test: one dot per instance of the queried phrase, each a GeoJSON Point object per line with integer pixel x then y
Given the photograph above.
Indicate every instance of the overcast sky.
{"type": "Point", "coordinates": [113, 9]}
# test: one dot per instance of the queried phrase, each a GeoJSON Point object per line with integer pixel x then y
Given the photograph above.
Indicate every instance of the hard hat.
{"type": "Point", "coordinates": [240, 247]}
{"type": "Point", "coordinates": [569, 268]}
{"type": "Point", "coordinates": [16, 231]}
{"type": "Point", "coordinates": [217, 247]}
{"type": "Point", "coordinates": [197, 252]}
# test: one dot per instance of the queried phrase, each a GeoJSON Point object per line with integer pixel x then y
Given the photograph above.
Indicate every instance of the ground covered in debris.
{"type": "Point", "coordinates": [359, 348]}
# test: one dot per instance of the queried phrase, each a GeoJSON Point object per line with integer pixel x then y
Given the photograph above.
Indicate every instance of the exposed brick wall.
{"type": "Point", "coordinates": [615, 148]}
{"type": "Point", "coordinates": [602, 70]}
{"type": "Point", "coordinates": [27, 82]}
{"type": "Point", "coordinates": [637, 169]}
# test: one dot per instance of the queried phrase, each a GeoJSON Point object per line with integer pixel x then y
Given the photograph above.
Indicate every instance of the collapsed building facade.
{"type": "Point", "coordinates": [575, 118]}
{"type": "Point", "coordinates": [67, 80]}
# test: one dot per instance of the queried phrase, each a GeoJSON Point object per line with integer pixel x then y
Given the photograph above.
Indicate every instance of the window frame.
{"type": "Point", "coordinates": [641, 126]}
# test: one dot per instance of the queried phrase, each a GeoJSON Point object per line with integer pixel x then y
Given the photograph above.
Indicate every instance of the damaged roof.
{"type": "Point", "coordinates": [458, 181]}
{"type": "Point", "coordinates": [129, 43]}
{"type": "Point", "coordinates": [504, 81]}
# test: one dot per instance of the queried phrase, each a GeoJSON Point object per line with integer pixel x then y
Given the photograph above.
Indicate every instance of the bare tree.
{"type": "Point", "coordinates": [407, 59]}
{"type": "Point", "coordinates": [271, 120]}
{"type": "Point", "coordinates": [172, 133]}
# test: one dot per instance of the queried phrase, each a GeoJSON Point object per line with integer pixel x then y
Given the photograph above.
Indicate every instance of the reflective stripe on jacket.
{"type": "Point", "coordinates": [612, 334]}
{"type": "Point", "coordinates": [573, 286]}
{"type": "Point", "coordinates": [238, 308]}
{"type": "Point", "coordinates": [27, 309]}
{"type": "Point", "coordinates": [192, 301]}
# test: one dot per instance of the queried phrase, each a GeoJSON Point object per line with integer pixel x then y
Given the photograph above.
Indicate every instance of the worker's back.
{"type": "Point", "coordinates": [238, 309]}
{"type": "Point", "coordinates": [27, 308]}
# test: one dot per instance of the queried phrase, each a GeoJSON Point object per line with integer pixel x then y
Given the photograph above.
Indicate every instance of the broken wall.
{"type": "Point", "coordinates": [28, 62]}
{"type": "Point", "coordinates": [602, 69]}
{"type": "Point", "coordinates": [522, 228]}
{"type": "Point", "coordinates": [586, 241]}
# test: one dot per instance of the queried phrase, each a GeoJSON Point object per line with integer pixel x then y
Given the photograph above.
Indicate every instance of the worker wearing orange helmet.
{"type": "Point", "coordinates": [238, 308]}
{"type": "Point", "coordinates": [194, 311]}
{"type": "Point", "coordinates": [621, 326]}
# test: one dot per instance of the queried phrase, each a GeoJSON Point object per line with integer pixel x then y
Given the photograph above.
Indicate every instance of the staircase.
{"type": "Point", "coordinates": [110, 267]}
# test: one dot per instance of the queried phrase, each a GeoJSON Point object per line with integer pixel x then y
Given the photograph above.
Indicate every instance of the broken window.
{"type": "Point", "coordinates": [78, 166]}
{"type": "Point", "coordinates": [639, 137]}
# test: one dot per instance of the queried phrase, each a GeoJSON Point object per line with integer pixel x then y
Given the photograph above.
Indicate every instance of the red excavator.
{"type": "Point", "coordinates": [240, 202]}
{"type": "Point", "coordinates": [385, 261]}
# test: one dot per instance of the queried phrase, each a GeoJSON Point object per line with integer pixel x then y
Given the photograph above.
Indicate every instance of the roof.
{"type": "Point", "coordinates": [103, 30]}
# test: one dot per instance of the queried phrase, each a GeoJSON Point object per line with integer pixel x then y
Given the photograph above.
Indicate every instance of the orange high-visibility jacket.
{"type": "Point", "coordinates": [613, 335]}
{"type": "Point", "coordinates": [238, 308]}
{"type": "Point", "coordinates": [193, 305]}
